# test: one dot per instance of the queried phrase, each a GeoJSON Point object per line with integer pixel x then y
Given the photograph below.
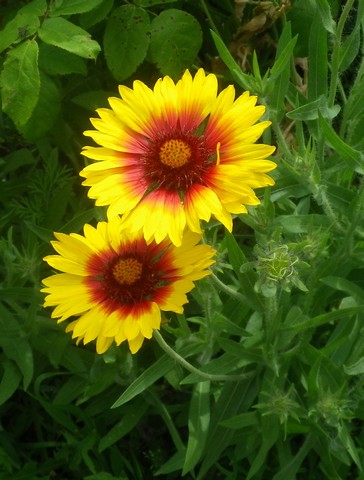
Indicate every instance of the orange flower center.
{"type": "Point", "coordinates": [127, 271]}
{"type": "Point", "coordinates": [175, 153]}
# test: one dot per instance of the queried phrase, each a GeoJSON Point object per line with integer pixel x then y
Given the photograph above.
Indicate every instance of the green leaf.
{"type": "Point", "coordinates": [126, 40]}
{"type": "Point", "coordinates": [129, 420]}
{"type": "Point", "coordinates": [281, 85]}
{"type": "Point", "coordinates": [356, 368]}
{"type": "Point", "coordinates": [349, 49]}
{"type": "Point", "coordinates": [71, 7]}
{"type": "Point", "coordinates": [246, 279]}
{"type": "Point", "coordinates": [96, 15]}
{"type": "Point", "coordinates": [45, 112]}
{"type": "Point", "coordinates": [176, 39]}
{"type": "Point", "coordinates": [198, 424]}
{"type": "Point", "coordinates": [55, 61]}
{"type": "Point", "coordinates": [22, 26]}
{"type": "Point", "coordinates": [311, 110]}
{"type": "Point", "coordinates": [160, 368]}
{"type": "Point", "coordinates": [240, 77]}
{"type": "Point", "coordinates": [322, 8]}
{"type": "Point", "coordinates": [237, 422]}
{"type": "Point", "coordinates": [9, 381]}
{"type": "Point", "coordinates": [61, 33]}
{"type": "Point", "coordinates": [325, 318]}
{"type": "Point", "coordinates": [282, 61]}
{"type": "Point", "coordinates": [151, 3]}
{"type": "Point", "coordinates": [317, 83]}
{"type": "Point", "coordinates": [20, 82]}
{"type": "Point", "coordinates": [354, 158]}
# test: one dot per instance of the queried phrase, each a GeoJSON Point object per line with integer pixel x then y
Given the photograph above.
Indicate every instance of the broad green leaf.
{"type": "Point", "coordinates": [176, 39]}
{"type": "Point", "coordinates": [45, 112]}
{"type": "Point", "coordinates": [22, 26]}
{"type": "Point", "coordinates": [55, 61]}
{"type": "Point", "coordinates": [61, 33]}
{"type": "Point", "coordinates": [317, 83]}
{"type": "Point", "coordinates": [96, 15]}
{"type": "Point", "coordinates": [322, 8]}
{"type": "Point", "coordinates": [20, 82]}
{"type": "Point", "coordinates": [126, 40]}
{"type": "Point", "coordinates": [198, 424]}
{"type": "Point", "coordinates": [10, 380]}
{"type": "Point", "coordinates": [244, 80]}
{"type": "Point", "coordinates": [160, 368]}
{"type": "Point", "coordinates": [71, 7]}
{"type": "Point", "coordinates": [353, 157]}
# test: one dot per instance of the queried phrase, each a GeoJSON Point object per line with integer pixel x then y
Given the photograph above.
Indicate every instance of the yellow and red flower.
{"type": "Point", "coordinates": [170, 157]}
{"type": "Point", "coordinates": [117, 284]}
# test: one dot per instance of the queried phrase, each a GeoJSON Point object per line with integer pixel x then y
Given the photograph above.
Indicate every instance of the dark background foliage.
{"type": "Point", "coordinates": [285, 304]}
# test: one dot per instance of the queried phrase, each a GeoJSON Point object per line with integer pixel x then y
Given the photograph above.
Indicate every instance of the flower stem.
{"type": "Point", "coordinates": [207, 376]}
{"type": "Point", "coordinates": [225, 288]}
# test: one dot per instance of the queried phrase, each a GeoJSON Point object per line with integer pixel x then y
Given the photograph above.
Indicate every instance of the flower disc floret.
{"type": "Point", "coordinates": [171, 156]}
{"type": "Point", "coordinates": [117, 284]}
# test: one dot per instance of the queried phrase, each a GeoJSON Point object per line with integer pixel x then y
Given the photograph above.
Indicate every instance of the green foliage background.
{"type": "Point", "coordinates": [284, 308]}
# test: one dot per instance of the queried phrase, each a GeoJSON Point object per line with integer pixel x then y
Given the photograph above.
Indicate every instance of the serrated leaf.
{"type": "Point", "coordinates": [176, 38]}
{"type": "Point", "coordinates": [126, 40]}
{"type": "Point", "coordinates": [21, 27]}
{"type": "Point", "coordinates": [45, 112]}
{"type": "Point", "coordinates": [71, 7]}
{"type": "Point", "coordinates": [61, 33]}
{"type": "Point", "coordinates": [55, 61]}
{"type": "Point", "coordinates": [20, 82]}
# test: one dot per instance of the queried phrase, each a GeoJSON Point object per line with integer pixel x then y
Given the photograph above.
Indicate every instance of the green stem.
{"type": "Point", "coordinates": [207, 376]}
{"type": "Point", "coordinates": [282, 144]}
{"type": "Point", "coordinates": [225, 288]}
{"type": "Point", "coordinates": [336, 52]}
